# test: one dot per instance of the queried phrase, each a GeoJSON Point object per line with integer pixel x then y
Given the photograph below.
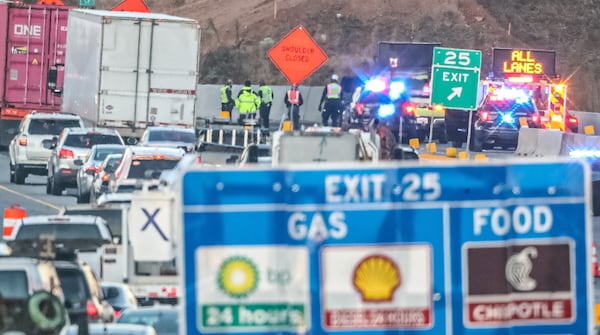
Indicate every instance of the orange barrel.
{"type": "Point", "coordinates": [12, 215]}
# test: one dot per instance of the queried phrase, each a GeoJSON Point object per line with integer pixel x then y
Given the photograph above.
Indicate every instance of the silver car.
{"type": "Point", "coordinates": [169, 137]}
{"type": "Point", "coordinates": [72, 144]}
{"type": "Point", "coordinates": [26, 150]}
{"type": "Point", "coordinates": [90, 167]}
{"type": "Point", "coordinates": [103, 177]}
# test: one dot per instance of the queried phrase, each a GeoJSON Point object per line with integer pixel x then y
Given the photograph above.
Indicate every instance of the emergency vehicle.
{"type": "Point", "coordinates": [523, 71]}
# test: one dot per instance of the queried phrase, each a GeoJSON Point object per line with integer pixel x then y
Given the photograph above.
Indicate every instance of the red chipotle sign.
{"type": "Point", "coordinates": [518, 284]}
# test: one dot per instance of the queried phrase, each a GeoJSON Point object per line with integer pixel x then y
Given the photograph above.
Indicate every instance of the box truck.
{"type": "Point", "coordinates": [34, 42]}
{"type": "Point", "coordinates": [128, 71]}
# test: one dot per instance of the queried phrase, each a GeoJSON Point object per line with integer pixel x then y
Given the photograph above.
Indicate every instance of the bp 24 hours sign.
{"type": "Point", "coordinates": [465, 249]}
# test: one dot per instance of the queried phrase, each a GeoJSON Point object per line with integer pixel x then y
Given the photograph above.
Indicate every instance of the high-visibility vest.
{"type": "Point", "coordinates": [293, 97]}
{"type": "Point", "coordinates": [333, 91]}
{"type": "Point", "coordinates": [247, 101]}
{"type": "Point", "coordinates": [267, 94]}
{"type": "Point", "coordinates": [224, 98]}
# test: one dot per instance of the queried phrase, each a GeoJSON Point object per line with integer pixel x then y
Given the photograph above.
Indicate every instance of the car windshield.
{"type": "Point", "coordinates": [101, 153]}
{"type": "Point", "coordinates": [172, 136]}
{"type": "Point", "coordinates": [13, 285]}
{"type": "Point", "coordinates": [140, 168]}
{"type": "Point", "coordinates": [72, 282]}
{"type": "Point", "coordinates": [50, 126]}
{"type": "Point", "coordinates": [90, 139]}
{"type": "Point", "coordinates": [72, 231]}
{"type": "Point", "coordinates": [163, 321]}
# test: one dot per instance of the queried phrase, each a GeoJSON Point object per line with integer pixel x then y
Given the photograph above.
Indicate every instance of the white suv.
{"type": "Point", "coordinates": [26, 150]}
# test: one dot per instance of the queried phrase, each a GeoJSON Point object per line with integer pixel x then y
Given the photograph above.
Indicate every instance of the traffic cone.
{"type": "Point", "coordinates": [594, 260]}
{"type": "Point", "coordinates": [12, 215]}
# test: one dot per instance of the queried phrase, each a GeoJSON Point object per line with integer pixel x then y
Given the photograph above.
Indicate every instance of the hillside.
{"type": "Point", "coordinates": [236, 34]}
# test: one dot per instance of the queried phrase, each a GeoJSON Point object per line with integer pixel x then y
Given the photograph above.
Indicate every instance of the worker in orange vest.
{"type": "Point", "coordinates": [293, 100]}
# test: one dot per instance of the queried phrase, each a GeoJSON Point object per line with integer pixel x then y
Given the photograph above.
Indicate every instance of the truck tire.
{"type": "Point", "coordinates": [11, 170]}
{"type": "Point", "coordinates": [83, 198]}
{"type": "Point", "coordinates": [48, 186]}
{"type": "Point", "coordinates": [19, 175]}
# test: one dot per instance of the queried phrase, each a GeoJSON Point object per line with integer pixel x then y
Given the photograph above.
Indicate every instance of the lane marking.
{"type": "Point", "coordinates": [41, 202]}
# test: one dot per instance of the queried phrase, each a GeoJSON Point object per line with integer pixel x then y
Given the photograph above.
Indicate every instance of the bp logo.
{"type": "Point", "coordinates": [238, 276]}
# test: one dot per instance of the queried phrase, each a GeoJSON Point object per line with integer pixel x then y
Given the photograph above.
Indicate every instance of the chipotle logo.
{"type": "Point", "coordinates": [516, 284]}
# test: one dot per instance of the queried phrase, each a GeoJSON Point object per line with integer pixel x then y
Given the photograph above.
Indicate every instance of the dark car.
{"type": "Point", "coordinates": [119, 296]}
{"type": "Point", "coordinates": [500, 117]}
{"type": "Point", "coordinates": [83, 295]}
{"type": "Point", "coordinates": [164, 318]}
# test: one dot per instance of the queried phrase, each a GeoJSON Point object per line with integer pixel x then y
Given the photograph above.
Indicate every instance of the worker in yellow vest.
{"type": "Point", "coordinates": [265, 93]}
{"type": "Point", "coordinates": [247, 102]}
{"type": "Point", "coordinates": [227, 101]}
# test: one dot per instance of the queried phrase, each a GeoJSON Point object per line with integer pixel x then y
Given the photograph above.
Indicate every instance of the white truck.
{"type": "Point", "coordinates": [129, 71]}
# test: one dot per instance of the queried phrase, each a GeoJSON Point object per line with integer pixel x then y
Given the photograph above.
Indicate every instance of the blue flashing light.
{"type": "Point", "coordinates": [396, 89]}
{"type": "Point", "coordinates": [386, 111]}
{"type": "Point", "coordinates": [508, 118]}
{"type": "Point", "coordinates": [375, 85]}
{"type": "Point", "coordinates": [585, 153]}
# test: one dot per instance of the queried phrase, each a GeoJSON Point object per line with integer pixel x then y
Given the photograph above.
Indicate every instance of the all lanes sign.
{"type": "Point", "coordinates": [297, 55]}
{"type": "Point", "coordinates": [455, 77]}
{"type": "Point", "coordinates": [487, 249]}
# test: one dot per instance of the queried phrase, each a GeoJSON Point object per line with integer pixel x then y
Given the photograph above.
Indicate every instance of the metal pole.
{"type": "Point", "coordinates": [431, 127]}
{"type": "Point", "coordinates": [469, 132]}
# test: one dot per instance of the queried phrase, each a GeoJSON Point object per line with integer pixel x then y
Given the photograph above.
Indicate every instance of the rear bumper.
{"type": "Point", "coordinates": [66, 177]}
{"type": "Point", "coordinates": [500, 136]}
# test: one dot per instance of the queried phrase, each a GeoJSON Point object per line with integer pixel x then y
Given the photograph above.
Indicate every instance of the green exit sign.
{"type": "Point", "coordinates": [86, 3]}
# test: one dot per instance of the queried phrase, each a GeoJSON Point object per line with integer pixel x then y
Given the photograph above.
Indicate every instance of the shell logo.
{"type": "Point", "coordinates": [376, 278]}
{"type": "Point", "coordinates": [238, 277]}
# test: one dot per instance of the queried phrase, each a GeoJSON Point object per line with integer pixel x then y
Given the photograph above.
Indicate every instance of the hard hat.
{"type": "Point", "coordinates": [229, 81]}
{"type": "Point", "coordinates": [335, 77]}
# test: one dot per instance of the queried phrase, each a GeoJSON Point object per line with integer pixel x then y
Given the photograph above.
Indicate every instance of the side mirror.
{"type": "Point", "coordinates": [78, 162]}
{"type": "Point", "coordinates": [49, 144]}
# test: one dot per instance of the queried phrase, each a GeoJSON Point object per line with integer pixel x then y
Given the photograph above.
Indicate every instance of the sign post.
{"type": "Point", "coordinates": [464, 249]}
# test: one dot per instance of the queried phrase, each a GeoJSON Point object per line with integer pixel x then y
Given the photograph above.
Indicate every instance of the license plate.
{"type": "Point", "coordinates": [422, 120]}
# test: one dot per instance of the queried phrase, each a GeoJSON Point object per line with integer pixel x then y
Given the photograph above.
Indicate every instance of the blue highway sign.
{"type": "Point", "coordinates": [462, 249]}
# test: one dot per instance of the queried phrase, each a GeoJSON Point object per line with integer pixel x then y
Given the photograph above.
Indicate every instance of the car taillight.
{"type": "Point", "coordinates": [117, 314]}
{"type": "Point", "coordinates": [484, 116]}
{"type": "Point", "coordinates": [408, 108]}
{"type": "Point", "coordinates": [92, 169]}
{"type": "Point", "coordinates": [106, 177]}
{"type": "Point", "coordinates": [198, 159]}
{"type": "Point", "coordinates": [535, 118]}
{"type": "Point", "coordinates": [65, 153]}
{"type": "Point", "coordinates": [360, 108]}
{"type": "Point", "coordinates": [22, 141]}
{"type": "Point", "coordinates": [91, 310]}
{"type": "Point", "coordinates": [572, 120]}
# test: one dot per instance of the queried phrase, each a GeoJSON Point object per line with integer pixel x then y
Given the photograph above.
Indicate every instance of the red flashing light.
{"type": "Point", "coordinates": [573, 120]}
{"type": "Point", "coordinates": [117, 314]}
{"type": "Point", "coordinates": [23, 141]}
{"type": "Point", "coordinates": [409, 108]}
{"type": "Point", "coordinates": [65, 153]}
{"type": "Point", "coordinates": [484, 116]}
{"type": "Point", "coordinates": [535, 118]}
{"type": "Point", "coordinates": [106, 177]}
{"type": "Point", "coordinates": [438, 108]}
{"type": "Point", "coordinates": [360, 108]}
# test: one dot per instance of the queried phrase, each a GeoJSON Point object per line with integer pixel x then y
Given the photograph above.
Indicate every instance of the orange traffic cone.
{"type": "Point", "coordinates": [594, 260]}
{"type": "Point", "coordinates": [12, 215]}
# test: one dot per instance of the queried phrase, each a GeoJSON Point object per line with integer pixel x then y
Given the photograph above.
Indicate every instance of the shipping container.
{"type": "Point", "coordinates": [128, 71]}
{"type": "Point", "coordinates": [34, 41]}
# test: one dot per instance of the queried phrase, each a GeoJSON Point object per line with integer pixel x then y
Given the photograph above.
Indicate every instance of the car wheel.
{"type": "Point", "coordinates": [11, 169]}
{"type": "Point", "coordinates": [83, 198]}
{"type": "Point", "coordinates": [56, 188]}
{"type": "Point", "coordinates": [48, 186]}
{"type": "Point", "coordinates": [19, 175]}
{"type": "Point", "coordinates": [476, 143]}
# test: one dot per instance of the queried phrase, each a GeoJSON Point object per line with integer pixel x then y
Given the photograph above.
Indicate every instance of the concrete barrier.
{"type": "Point", "coordinates": [527, 142]}
{"type": "Point", "coordinates": [549, 143]}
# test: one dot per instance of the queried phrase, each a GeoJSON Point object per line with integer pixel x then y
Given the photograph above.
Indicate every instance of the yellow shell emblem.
{"type": "Point", "coordinates": [376, 278]}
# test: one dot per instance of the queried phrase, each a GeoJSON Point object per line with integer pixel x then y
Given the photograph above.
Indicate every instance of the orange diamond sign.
{"type": "Point", "coordinates": [297, 55]}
